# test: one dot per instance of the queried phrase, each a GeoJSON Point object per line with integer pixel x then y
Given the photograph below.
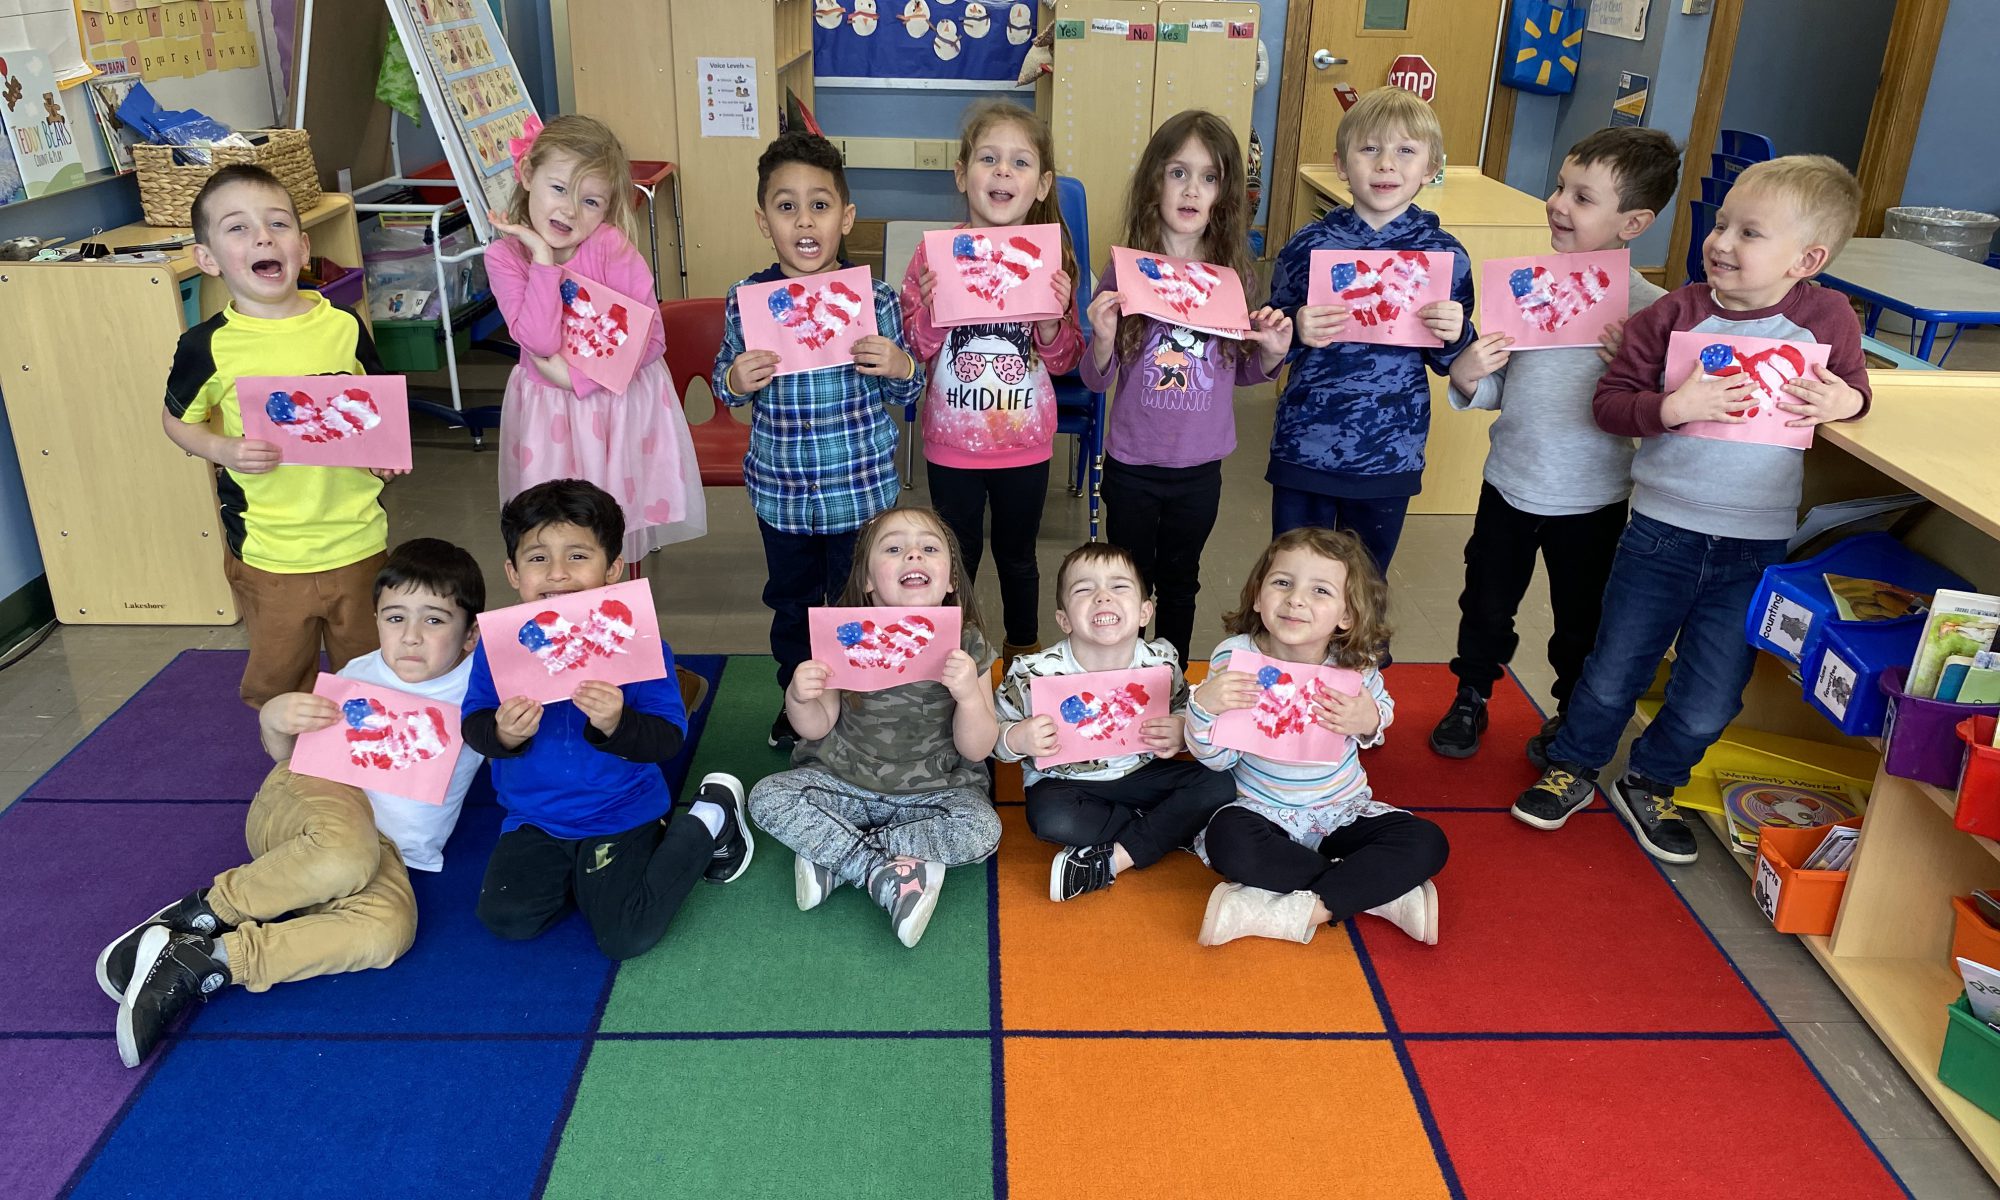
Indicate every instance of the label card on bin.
{"type": "Point", "coordinates": [871, 649]}
{"type": "Point", "coordinates": [1100, 714]}
{"type": "Point", "coordinates": [329, 420]}
{"type": "Point", "coordinates": [543, 649]}
{"type": "Point", "coordinates": [1282, 725]}
{"type": "Point", "coordinates": [387, 740]}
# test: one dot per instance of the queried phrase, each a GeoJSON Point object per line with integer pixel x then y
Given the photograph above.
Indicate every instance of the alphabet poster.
{"type": "Point", "coordinates": [1178, 291]}
{"type": "Point", "coordinates": [387, 740]}
{"type": "Point", "coordinates": [1553, 300]}
{"type": "Point", "coordinates": [812, 322]}
{"type": "Point", "coordinates": [1382, 290]}
{"type": "Point", "coordinates": [329, 420]}
{"type": "Point", "coordinates": [1769, 363]}
{"type": "Point", "coordinates": [544, 648]}
{"type": "Point", "coordinates": [1099, 714]}
{"type": "Point", "coordinates": [994, 274]}
{"type": "Point", "coordinates": [870, 43]}
{"type": "Point", "coordinates": [871, 649]}
{"type": "Point", "coordinates": [1283, 725]}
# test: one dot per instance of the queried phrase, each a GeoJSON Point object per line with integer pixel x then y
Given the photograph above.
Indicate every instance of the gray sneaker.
{"type": "Point", "coordinates": [1650, 810]}
{"type": "Point", "coordinates": [1538, 745]}
{"type": "Point", "coordinates": [907, 889]}
{"type": "Point", "coordinates": [1560, 793]}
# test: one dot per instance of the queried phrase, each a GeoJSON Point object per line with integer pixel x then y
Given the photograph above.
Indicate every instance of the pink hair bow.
{"type": "Point", "coordinates": [518, 147]}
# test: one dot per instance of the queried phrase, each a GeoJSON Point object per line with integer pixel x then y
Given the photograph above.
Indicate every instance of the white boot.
{"type": "Point", "coordinates": [1415, 912]}
{"type": "Point", "coordinates": [1236, 911]}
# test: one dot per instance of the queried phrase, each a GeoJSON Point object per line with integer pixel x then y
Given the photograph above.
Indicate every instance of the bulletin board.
{"type": "Point", "coordinates": [473, 91]}
{"type": "Point", "coordinates": [1100, 105]}
{"type": "Point", "coordinates": [922, 43]}
{"type": "Point", "coordinates": [1207, 59]}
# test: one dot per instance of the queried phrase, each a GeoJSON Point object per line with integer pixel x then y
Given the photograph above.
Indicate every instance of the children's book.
{"type": "Point", "coordinates": [1382, 291]}
{"type": "Point", "coordinates": [1548, 301]}
{"type": "Point", "coordinates": [1834, 851]}
{"type": "Point", "coordinates": [1284, 725]}
{"type": "Point", "coordinates": [813, 322]}
{"type": "Point", "coordinates": [1752, 801]}
{"type": "Point", "coordinates": [1768, 363]}
{"type": "Point", "coordinates": [604, 332]}
{"type": "Point", "coordinates": [544, 648]}
{"type": "Point", "coordinates": [1959, 623]}
{"type": "Point", "coordinates": [1872, 599]}
{"type": "Point", "coordinates": [987, 275]}
{"type": "Point", "coordinates": [1100, 714]}
{"type": "Point", "coordinates": [870, 649]}
{"type": "Point", "coordinates": [37, 125]}
{"type": "Point", "coordinates": [329, 420]}
{"type": "Point", "coordinates": [1194, 295]}
{"type": "Point", "coordinates": [387, 740]}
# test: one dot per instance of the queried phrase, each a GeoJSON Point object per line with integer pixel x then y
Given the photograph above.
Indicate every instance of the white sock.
{"type": "Point", "coordinates": [218, 951]}
{"type": "Point", "coordinates": [710, 814]}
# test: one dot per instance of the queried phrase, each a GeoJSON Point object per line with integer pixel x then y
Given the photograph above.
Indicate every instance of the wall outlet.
{"type": "Point", "coordinates": [934, 155]}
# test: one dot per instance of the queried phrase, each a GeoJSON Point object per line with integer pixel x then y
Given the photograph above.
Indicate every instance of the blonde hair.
{"type": "Point", "coordinates": [1356, 647]}
{"type": "Point", "coordinates": [983, 116]}
{"type": "Point", "coordinates": [856, 594]}
{"type": "Point", "coordinates": [597, 153]}
{"type": "Point", "coordinates": [1387, 111]}
{"type": "Point", "coordinates": [1824, 193]}
{"type": "Point", "coordinates": [1226, 241]}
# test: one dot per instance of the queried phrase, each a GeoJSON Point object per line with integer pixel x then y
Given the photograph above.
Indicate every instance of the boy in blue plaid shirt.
{"type": "Point", "coordinates": [822, 455]}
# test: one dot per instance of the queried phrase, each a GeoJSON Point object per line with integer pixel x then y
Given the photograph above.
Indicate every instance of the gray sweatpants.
{"type": "Point", "coordinates": [851, 831]}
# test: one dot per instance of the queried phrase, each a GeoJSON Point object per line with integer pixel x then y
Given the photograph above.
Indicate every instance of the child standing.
{"type": "Point", "coordinates": [1111, 813]}
{"type": "Point", "coordinates": [1347, 451]}
{"type": "Point", "coordinates": [572, 210]}
{"type": "Point", "coordinates": [822, 443]}
{"type": "Point", "coordinates": [889, 788]}
{"type": "Point", "coordinates": [589, 817]}
{"type": "Point", "coordinates": [1555, 482]}
{"type": "Point", "coordinates": [1172, 417]}
{"type": "Point", "coordinates": [304, 543]}
{"type": "Point", "coordinates": [1707, 516]}
{"type": "Point", "coordinates": [324, 892]}
{"type": "Point", "coordinates": [1307, 844]}
{"type": "Point", "coordinates": [990, 416]}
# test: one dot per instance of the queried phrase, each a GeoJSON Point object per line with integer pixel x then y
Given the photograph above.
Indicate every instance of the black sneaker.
{"type": "Point", "coordinates": [1080, 869]}
{"type": "Point", "coordinates": [1649, 809]}
{"type": "Point", "coordinates": [189, 914]}
{"type": "Point", "coordinates": [1538, 745]}
{"type": "Point", "coordinates": [1457, 733]}
{"type": "Point", "coordinates": [783, 736]}
{"type": "Point", "coordinates": [907, 889]}
{"type": "Point", "coordinates": [1561, 792]}
{"type": "Point", "coordinates": [734, 847]}
{"type": "Point", "coordinates": [171, 971]}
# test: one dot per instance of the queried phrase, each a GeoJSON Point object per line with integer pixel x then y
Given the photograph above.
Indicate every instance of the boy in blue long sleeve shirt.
{"type": "Point", "coordinates": [1347, 451]}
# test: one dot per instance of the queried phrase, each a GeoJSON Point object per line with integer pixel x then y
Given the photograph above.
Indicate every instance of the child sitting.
{"type": "Point", "coordinates": [1707, 515]}
{"type": "Point", "coordinates": [304, 544]}
{"type": "Point", "coordinates": [324, 891]}
{"type": "Point", "coordinates": [588, 811]}
{"type": "Point", "coordinates": [1111, 813]}
{"type": "Point", "coordinates": [1307, 844]}
{"type": "Point", "coordinates": [889, 788]}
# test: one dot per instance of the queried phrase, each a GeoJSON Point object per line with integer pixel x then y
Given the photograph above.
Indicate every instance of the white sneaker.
{"type": "Point", "coordinates": [1235, 911]}
{"type": "Point", "coordinates": [811, 883]}
{"type": "Point", "coordinates": [907, 888]}
{"type": "Point", "coordinates": [1415, 912]}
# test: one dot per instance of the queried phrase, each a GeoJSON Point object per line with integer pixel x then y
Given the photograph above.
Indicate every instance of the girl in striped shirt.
{"type": "Point", "coordinates": [1307, 844]}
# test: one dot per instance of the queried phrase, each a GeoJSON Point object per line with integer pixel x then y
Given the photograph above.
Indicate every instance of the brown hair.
{"type": "Point", "coordinates": [984, 115]}
{"type": "Point", "coordinates": [1645, 162]}
{"type": "Point", "coordinates": [597, 153]}
{"type": "Point", "coordinates": [249, 173]}
{"type": "Point", "coordinates": [855, 594]}
{"type": "Point", "coordinates": [1099, 552]}
{"type": "Point", "coordinates": [1226, 241]}
{"type": "Point", "coordinates": [1386, 111]}
{"type": "Point", "coordinates": [1356, 647]}
{"type": "Point", "coordinates": [1824, 193]}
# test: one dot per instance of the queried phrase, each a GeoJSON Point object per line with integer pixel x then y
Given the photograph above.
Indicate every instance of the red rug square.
{"type": "Point", "coordinates": [1409, 774]}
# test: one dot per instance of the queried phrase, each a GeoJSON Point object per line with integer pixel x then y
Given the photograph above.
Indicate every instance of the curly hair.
{"type": "Point", "coordinates": [1359, 645]}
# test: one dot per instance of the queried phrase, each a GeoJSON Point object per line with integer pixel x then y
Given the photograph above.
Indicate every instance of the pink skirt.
{"type": "Point", "coordinates": [635, 446]}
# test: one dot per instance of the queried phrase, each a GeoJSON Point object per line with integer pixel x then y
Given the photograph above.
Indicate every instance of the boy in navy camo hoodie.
{"type": "Point", "coordinates": [1348, 448]}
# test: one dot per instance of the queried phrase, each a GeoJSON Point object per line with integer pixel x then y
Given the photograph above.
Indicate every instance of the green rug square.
{"type": "Point", "coordinates": [737, 736]}
{"type": "Point", "coordinates": [757, 1117]}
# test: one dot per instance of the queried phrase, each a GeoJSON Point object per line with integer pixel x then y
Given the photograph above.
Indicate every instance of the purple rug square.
{"type": "Point", "coordinates": [186, 735]}
{"type": "Point", "coordinates": [74, 876]}
{"type": "Point", "coordinates": [56, 1097]}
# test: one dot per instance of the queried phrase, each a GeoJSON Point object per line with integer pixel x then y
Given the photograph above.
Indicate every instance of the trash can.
{"type": "Point", "coordinates": [1956, 231]}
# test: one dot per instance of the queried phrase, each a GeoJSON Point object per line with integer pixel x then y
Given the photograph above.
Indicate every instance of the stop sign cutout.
{"type": "Point", "coordinates": [1412, 73]}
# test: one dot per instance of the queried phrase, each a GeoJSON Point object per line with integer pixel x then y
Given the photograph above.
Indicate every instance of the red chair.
{"type": "Point", "coordinates": [694, 339]}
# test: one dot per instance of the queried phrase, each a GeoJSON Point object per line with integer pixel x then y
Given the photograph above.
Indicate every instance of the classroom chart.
{"type": "Point", "coordinates": [177, 40]}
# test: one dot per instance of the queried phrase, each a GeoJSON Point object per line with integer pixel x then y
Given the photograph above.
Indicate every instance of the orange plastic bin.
{"type": "Point", "coordinates": [1796, 900]}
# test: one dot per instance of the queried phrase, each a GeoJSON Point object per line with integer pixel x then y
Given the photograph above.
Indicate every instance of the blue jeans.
{"type": "Point", "coordinates": [1377, 521]}
{"type": "Point", "coordinates": [1669, 586]}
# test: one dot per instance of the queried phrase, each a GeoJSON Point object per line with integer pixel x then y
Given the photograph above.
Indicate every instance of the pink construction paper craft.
{"type": "Point", "coordinates": [812, 322]}
{"type": "Point", "coordinates": [1003, 274]}
{"type": "Point", "coordinates": [1382, 291]}
{"type": "Point", "coordinates": [543, 649]}
{"type": "Point", "coordinates": [604, 331]}
{"type": "Point", "coordinates": [1179, 291]}
{"type": "Point", "coordinates": [387, 740]}
{"type": "Point", "coordinates": [1099, 713]}
{"type": "Point", "coordinates": [1282, 725]}
{"type": "Point", "coordinates": [329, 420]}
{"type": "Point", "coordinates": [874, 648]}
{"type": "Point", "coordinates": [1770, 364]}
{"type": "Point", "coordinates": [1548, 301]}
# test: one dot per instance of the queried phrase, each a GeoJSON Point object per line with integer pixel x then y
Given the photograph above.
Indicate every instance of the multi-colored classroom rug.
{"type": "Point", "coordinates": [1577, 1033]}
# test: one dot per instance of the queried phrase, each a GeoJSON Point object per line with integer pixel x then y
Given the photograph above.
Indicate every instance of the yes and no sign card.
{"type": "Point", "coordinates": [386, 740]}
{"type": "Point", "coordinates": [870, 649]}
{"type": "Point", "coordinates": [329, 420]}
{"type": "Point", "coordinates": [1547, 301]}
{"type": "Point", "coordinates": [987, 275]}
{"type": "Point", "coordinates": [1382, 290]}
{"type": "Point", "coordinates": [1769, 363]}
{"type": "Point", "coordinates": [1099, 714]}
{"type": "Point", "coordinates": [1194, 295]}
{"type": "Point", "coordinates": [812, 322]}
{"type": "Point", "coordinates": [544, 648]}
{"type": "Point", "coordinates": [1282, 725]}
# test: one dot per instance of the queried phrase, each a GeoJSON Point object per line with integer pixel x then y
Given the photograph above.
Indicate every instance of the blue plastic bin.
{"type": "Point", "coordinates": [1843, 666]}
{"type": "Point", "coordinates": [1793, 601]}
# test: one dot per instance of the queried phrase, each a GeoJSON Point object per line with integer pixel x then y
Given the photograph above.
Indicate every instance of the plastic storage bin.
{"type": "Point", "coordinates": [1797, 901]}
{"type": "Point", "coordinates": [1979, 787]}
{"type": "Point", "coordinates": [1793, 602]}
{"type": "Point", "coordinates": [1843, 662]}
{"type": "Point", "coordinates": [342, 285]}
{"type": "Point", "coordinates": [1920, 735]}
{"type": "Point", "coordinates": [417, 346]}
{"type": "Point", "coordinates": [1971, 936]}
{"type": "Point", "coordinates": [1970, 1064]}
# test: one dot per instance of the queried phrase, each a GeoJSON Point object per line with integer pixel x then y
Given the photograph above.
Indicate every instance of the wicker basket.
{"type": "Point", "coordinates": [167, 189]}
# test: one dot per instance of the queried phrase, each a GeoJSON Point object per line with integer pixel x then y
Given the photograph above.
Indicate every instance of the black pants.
{"type": "Point", "coordinates": [1016, 493]}
{"type": "Point", "coordinates": [803, 570]}
{"type": "Point", "coordinates": [1359, 866]}
{"type": "Point", "coordinates": [1162, 517]}
{"type": "Point", "coordinates": [1500, 562]}
{"type": "Point", "coordinates": [1155, 809]}
{"type": "Point", "coordinates": [1377, 521]}
{"type": "Point", "coordinates": [629, 885]}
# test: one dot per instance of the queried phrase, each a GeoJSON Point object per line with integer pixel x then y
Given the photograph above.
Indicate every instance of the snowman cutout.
{"type": "Point", "coordinates": [946, 46]}
{"type": "Point", "coordinates": [977, 23]}
{"type": "Point", "coordinates": [1020, 25]}
{"type": "Point", "coordinates": [828, 14]}
{"type": "Point", "coordinates": [916, 18]}
{"type": "Point", "coordinates": [864, 18]}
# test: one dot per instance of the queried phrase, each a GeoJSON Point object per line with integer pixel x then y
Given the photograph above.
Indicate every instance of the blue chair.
{"type": "Point", "coordinates": [1080, 411]}
{"type": "Point", "coordinates": [1727, 167]}
{"type": "Point", "coordinates": [1713, 190]}
{"type": "Point", "coordinates": [1754, 147]}
{"type": "Point", "coordinates": [1704, 221]}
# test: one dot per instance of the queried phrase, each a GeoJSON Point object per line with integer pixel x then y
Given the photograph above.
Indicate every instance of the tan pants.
{"type": "Point", "coordinates": [287, 616]}
{"type": "Point", "coordinates": [323, 892]}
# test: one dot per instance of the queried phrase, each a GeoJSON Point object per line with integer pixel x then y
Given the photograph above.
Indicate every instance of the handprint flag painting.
{"type": "Point", "coordinates": [329, 420]}
{"type": "Point", "coordinates": [1099, 714]}
{"type": "Point", "coordinates": [604, 332]}
{"type": "Point", "coordinates": [1768, 363]}
{"type": "Point", "coordinates": [1193, 295]}
{"type": "Point", "coordinates": [987, 275]}
{"type": "Point", "coordinates": [544, 648]}
{"type": "Point", "coordinates": [1554, 300]}
{"type": "Point", "coordinates": [1283, 725]}
{"type": "Point", "coordinates": [1382, 291]}
{"type": "Point", "coordinates": [870, 649]}
{"type": "Point", "coordinates": [386, 740]}
{"type": "Point", "coordinates": [812, 322]}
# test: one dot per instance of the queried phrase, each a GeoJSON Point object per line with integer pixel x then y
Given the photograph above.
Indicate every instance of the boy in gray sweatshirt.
{"type": "Point", "coordinates": [1555, 483]}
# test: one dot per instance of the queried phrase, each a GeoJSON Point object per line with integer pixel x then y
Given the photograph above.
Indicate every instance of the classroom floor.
{"type": "Point", "coordinates": [709, 601]}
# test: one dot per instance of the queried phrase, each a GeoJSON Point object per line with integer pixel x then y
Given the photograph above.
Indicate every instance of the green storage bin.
{"type": "Point", "coordinates": [416, 345]}
{"type": "Point", "coordinates": [1971, 1062]}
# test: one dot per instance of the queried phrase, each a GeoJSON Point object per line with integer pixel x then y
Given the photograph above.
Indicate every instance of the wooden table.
{"type": "Point", "coordinates": [1928, 286]}
{"type": "Point", "coordinates": [1491, 220]}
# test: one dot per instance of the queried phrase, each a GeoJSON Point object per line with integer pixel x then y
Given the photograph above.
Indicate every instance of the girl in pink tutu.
{"type": "Point", "coordinates": [571, 225]}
